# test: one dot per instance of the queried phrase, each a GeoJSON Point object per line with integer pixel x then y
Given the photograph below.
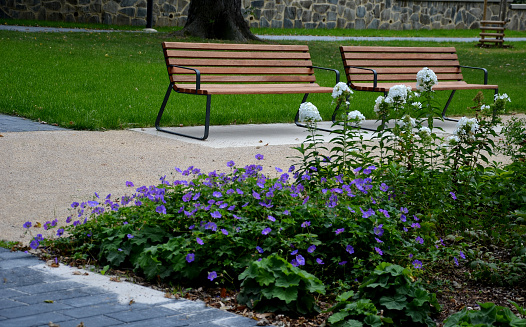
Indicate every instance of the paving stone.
{"type": "Point", "coordinates": [98, 321]}
{"type": "Point", "coordinates": [6, 293]}
{"type": "Point", "coordinates": [49, 287]}
{"type": "Point", "coordinates": [96, 310]}
{"type": "Point", "coordinates": [35, 309]}
{"type": "Point", "coordinates": [17, 124]}
{"type": "Point", "coordinates": [50, 296]}
{"type": "Point", "coordinates": [164, 322]}
{"type": "Point", "coordinates": [14, 278]}
{"type": "Point", "coordinates": [90, 300]}
{"type": "Point", "coordinates": [42, 319]}
{"type": "Point", "coordinates": [145, 314]}
{"type": "Point", "coordinates": [9, 303]}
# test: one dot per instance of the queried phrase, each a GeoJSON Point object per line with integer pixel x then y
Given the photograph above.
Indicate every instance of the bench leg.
{"type": "Point", "coordinates": [447, 105]}
{"type": "Point", "coordinates": [161, 111]}
{"type": "Point", "coordinates": [296, 118]}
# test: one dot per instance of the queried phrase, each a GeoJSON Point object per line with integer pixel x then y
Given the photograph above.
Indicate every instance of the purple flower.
{"type": "Point", "coordinates": [378, 250]}
{"type": "Point", "coordinates": [256, 195]}
{"type": "Point", "coordinates": [34, 244]}
{"type": "Point", "coordinates": [60, 231]}
{"type": "Point", "coordinates": [230, 163]}
{"type": "Point", "coordinates": [161, 209]}
{"type": "Point", "coordinates": [305, 224]}
{"type": "Point", "coordinates": [259, 156]}
{"type": "Point", "coordinates": [319, 261]}
{"type": "Point", "coordinates": [415, 225]}
{"type": "Point", "coordinates": [294, 252]}
{"type": "Point", "coordinates": [199, 241]}
{"type": "Point", "coordinates": [453, 195]}
{"type": "Point", "coordinates": [27, 224]}
{"type": "Point", "coordinates": [271, 218]}
{"type": "Point", "coordinates": [419, 240]}
{"type": "Point", "coordinates": [403, 218]}
{"type": "Point", "coordinates": [417, 264]}
{"type": "Point", "coordinates": [462, 255]}
{"type": "Point", "coordinates": [216, 214]}
{"type": "Point", "coordinates": [384, 187]}
{"type": "Point", "coordinates": [266, 231]}
{"type": "Point", "coordinates": [404, 210]}
{"type": "Point", "coordinates": [343, 263]}
{"type": "Point", "coordinates": [300, 260]}
{"type": "Point", "coordinates": [378, 240]}
{"type": "Point", "coordinates": [119, 249]}
{"type": "Point", "coordinates": [129, 184]}
{"type": "Point", "coordinates": [456, 260]}
{"type": "Point", "coordinates": [130, 236]}
{"type": "Point", "coordinates": [260, 250]}
{"type": "Point", "coordinates": [212, 275]}
{"type": "Point", "coordinates": [311, 248]}
{"type": "Point", "coordinates": [190, 257]}
{"type": "Point", "coordinates": [217, 194]}
{"type": "Point", "coordinates": [74, 204]}
{"type": "Point", "coordinates": [349, 249]}
{"type": "Point", "coordinates": [224, 231]}
{"type": "Point", "coordinates": [340, 230]}
{"type": "Point", "coordinates": [379, 230]}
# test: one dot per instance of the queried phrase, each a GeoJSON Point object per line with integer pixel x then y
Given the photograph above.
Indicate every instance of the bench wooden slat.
{"type": "Point", "coordinates": [241, 47]}
{"type": "Point", "coordinates": [441, 86]}
{"type": "Point", "coordinates": [247, 78]}
{"type": "Point", "coordinates": [384, 49]}
{"type": "Point", "coordinates": [236, 55]}
{"type": "Point", "coordinates": [404, 70]}
{"type": "Point", "coordinates": [239, 63]}
{"type": "Point", "coordinates": [404, 77]}
{"type": "Point", "coordinates": [404, 56]}
{"type": "Point", "coordinates": [400, 63]}
{"type": "Point", "coordinates": [254, 88]}
{"type": "Point", "coordinates": [246, 70]}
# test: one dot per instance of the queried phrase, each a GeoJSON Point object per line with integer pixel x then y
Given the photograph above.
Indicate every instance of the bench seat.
{"type": "Point", "coordinates": [218, 68]}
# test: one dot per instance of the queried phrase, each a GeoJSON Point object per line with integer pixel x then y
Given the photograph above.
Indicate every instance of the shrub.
{"type": "Point", "coordinates": [274, 285]}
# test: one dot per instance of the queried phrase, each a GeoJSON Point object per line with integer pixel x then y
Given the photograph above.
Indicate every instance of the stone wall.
{"type": "Point", "coordinates": [358, 14]}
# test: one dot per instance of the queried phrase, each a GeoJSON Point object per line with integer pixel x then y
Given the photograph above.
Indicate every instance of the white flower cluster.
{"type": "Point", "coordinates": [406, 120]}
{"type": "Point", "coordinates": [485, 107]}
{"type": "Point", "coordinates": [425, 79]}
{"type": "Point", "coordinates": [341, 89]}
{"type": "Point", "coordinates": [399, 93]}
{"type": "Point", "coordinates": [467, 126]}
{"type": "Point", "coordinates": [309, 113]}
{"type": "Point", "coordinates": [356, 117]}
{"type": "Point", "coordinates": [417, 105]}
{"type": "Point", "coordinates": [424, 130]}
{"type": "Point", "coordinates": [504, 97]}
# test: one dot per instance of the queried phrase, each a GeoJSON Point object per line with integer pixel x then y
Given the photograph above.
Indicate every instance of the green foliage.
{"type": "Point", "coordinates": [353, 313]}
{"type": "Point", "coordinates": [391, 289]}
{"type": "Point", "coordinates": [274, 285]}
{"type": "Point", "coordinates": [488, 315]}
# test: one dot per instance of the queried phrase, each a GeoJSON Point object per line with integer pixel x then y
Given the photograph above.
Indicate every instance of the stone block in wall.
{"type": "Point", "coordinates": [94, 19]}
{"type": "Point", "coordinates": [52, 5]}
{"type": "Point", "coordinates": [128, 3]}
{"type": "Point", "coordinates": [374, 24]}
{"type": "Point", "coordinates": [287, 23]}
{"type": "Point", "coordinates": [359, 24]}
{"type": "Point", "coordinates": [121, 19]}
{"type": "Point", "coordinates": [111, 7]}
{"type": "Point", "coordinates": [332, 16]}
{"type": "Point", "coordinates": [107, 19]}
{"type": "Point", "coordinates": [425, 20]}
{"type": "Point", "coordinates": [276, 23]}
{"type": "Point", "coordinates": [54, 16]}
{"type": "Point", "coordinates": [309, 25]}
{"type": "Point", "coordinates": [141, 12]}
{"type": "Point", "coordinates": [349, 14]}
{"type": "Point", "coordinates": [257, 4]}
{"type": "Point", "coordinates": [360, 12]}
{"type": "Point", "coordinates": [306, 16]}
{"type": "Point", "coordinates": [384, 26]}
{"type": "Point", "coordinates": [306, 4]}
{"type": "Point", "coordinates": [331, 25]}
{"type": "Point", "coordinates": [130, 11]}
{"type": "Point", "coordinates": [138, 22]}
{"type": "Point", "coordinates": [269, 14]}
{"type": "Point", "coordinates": [322, 9]}
{"type": "Point", "coordinates": [263, 23]}
{"type": "Point", "coordinates": [290, 13]}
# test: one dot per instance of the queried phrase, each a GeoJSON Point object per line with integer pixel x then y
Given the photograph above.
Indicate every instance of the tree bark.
{"type": "Point", "coordinates": [217, 19]}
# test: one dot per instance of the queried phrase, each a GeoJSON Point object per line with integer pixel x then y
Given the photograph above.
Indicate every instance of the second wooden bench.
{"type": "Point", "coordinates": [377, 69]}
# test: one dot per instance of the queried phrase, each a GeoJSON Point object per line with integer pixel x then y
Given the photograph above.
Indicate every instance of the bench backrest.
{"type": "Point", "coordinates": [399, 64]}
{"type": "Point", "coordinates": [239, 63]}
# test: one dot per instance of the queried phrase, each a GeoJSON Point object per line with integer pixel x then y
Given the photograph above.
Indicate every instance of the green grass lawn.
{"type": "Point", "coordinates": [118, 80]}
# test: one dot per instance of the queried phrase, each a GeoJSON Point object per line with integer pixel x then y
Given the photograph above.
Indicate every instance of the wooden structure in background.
{"type": "Point", "coordinates": [492, 31]}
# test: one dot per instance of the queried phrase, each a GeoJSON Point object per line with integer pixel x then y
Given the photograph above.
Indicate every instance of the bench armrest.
{"type": "Point", "coordinates": [483, 69]}
{"type": "Point", "coordinates": [337, 72]}
{"type": "Point", "coordinates": [374, 73]}
{"type": "Point", "coordinates": [197, 76]}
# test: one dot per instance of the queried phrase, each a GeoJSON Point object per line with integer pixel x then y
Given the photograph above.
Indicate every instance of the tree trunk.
{"type": "Point", "coordinates": [217, 19]}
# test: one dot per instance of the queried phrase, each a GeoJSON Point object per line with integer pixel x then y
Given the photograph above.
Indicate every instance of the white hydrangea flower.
{"type": "Point", "coordinates": [406, 120]}
{"type": "Point", "coordinates": [356, 115]}
{"type": "Point", "coordinates": [453, 140]}
{"type": "Point", "coordinates": [466, 126]}
{"type": "Point", "coordinates": [485, 107]}
{"type": "Point", "coordinates": [309, 113]}
{"type": "Point", "coordinates": [377, 103]}
{"type": "Point", "coordinates": [425, 79]}
{"type": "Point", "coordinates": [339, 89]}
{"type": "Point", "coordinates": [398, 93]}
{"type": "Point", "coordinates": [502, 97]}
{"type": "Point", "coordinates": [417, 104]}
{"type": "Point", "coordinates": [424, 130]}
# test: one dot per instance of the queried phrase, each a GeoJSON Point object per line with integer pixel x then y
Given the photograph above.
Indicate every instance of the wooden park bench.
{"type": "Point", "coordinates": [377, 69]}
{"type": "Point", "coordinates": [215, 68]}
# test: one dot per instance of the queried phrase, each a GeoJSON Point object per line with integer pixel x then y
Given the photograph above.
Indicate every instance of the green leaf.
{"type": "Point", "coordinates": [397, 302]}
{"type": "Point", "coordinates": [265, 278]}
{"type": "Point", "coordinates": [288, 294]}
{"type": "Point", "coordinates": [288, 280]}
{"type": "Point", "coordinates": [373, 320]}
